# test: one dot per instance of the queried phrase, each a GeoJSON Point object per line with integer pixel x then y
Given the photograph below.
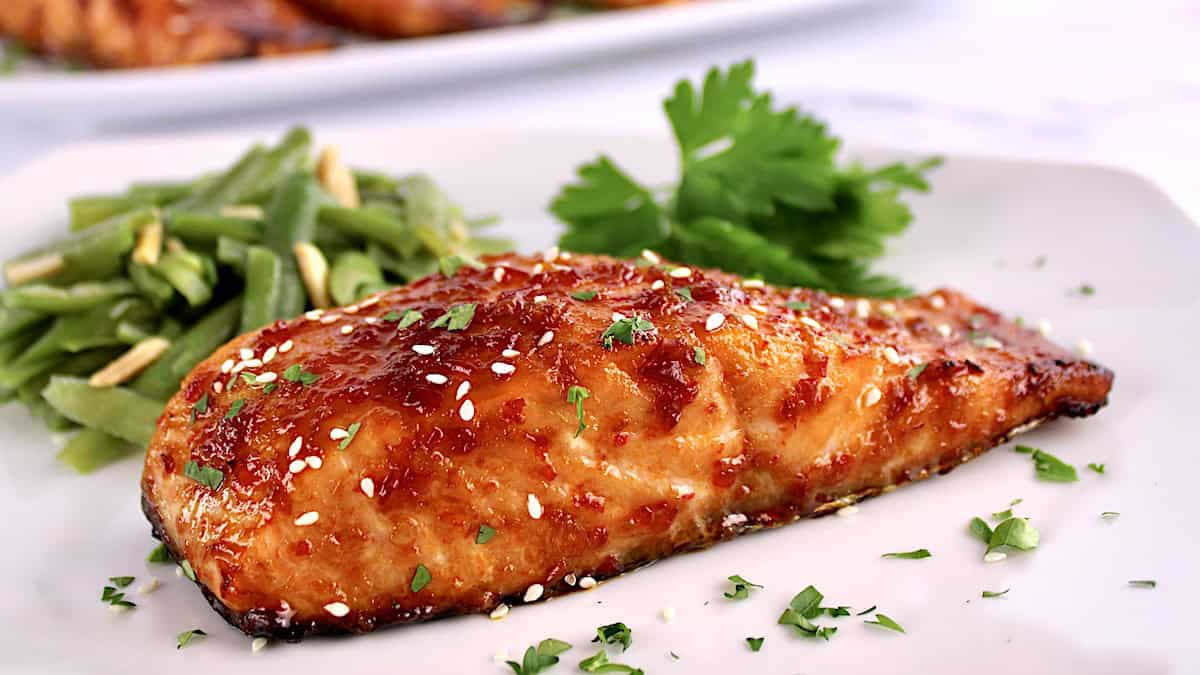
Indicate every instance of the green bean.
{"type": "Point", "coordinates": [12, 346]}
{"type": "Point", "coordinates": [372, 223]}
{"type": "Point", "coordinates": [188, 274]}
{"type": "Point", "coordinates": [416, 268]}
{"type": "Point", "coordinates": [289, 156]}
{"type": "Point", "coordinates": [352, 271]}
{"type": "Point", "coordinates": [131, 333]}
{"type": "Point", "coordinates": [150, 285]}
{"type": "Point", "coordinates": [373, 182]}
{"type": "Point", "coordinates": [42, 410]}
{"type": "Point", "coordinates": [65, 300]}
{"type": "Point", "coordinates": [478, 246]}
{"type": "Point", "coordinates": [162, 378]}
{"type": "Point", "coordinates": [264, 273]}
{"type": "Point", "coordinates": [93, 209]}
{"type": "Point", "coordinates": [428, 212]}
{"type": "Point", "coordinates": [162, 194]}
{"type": "Point", "coordinates": [202, 227]}
{"type": "Point", "coordinates": [98, 252]}
{"type": "Point", "coordinates": [13, 321]}
{"type": "Point", "coordinates": [90, 449]}
{"type": "Point", "coordinates": [229, 187]}
{"type": "Point", "coordinates": [232, 253]}
{"type": "Point", "coordinates": [291, 217]}
{"type": "Point", "coordinates": [113, 410]}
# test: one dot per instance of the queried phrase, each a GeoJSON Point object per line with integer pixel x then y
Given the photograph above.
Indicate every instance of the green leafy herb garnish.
{"type": "Point", "coordinates": [457, 317]}
{"type": "Point", "coordinates": [351, 432]}
{"type": "Point", "coordinates": [584, 295]}
{"type": "Point", "coordinates": [235, 408]}
{"type": "Point", "coordinates": [450, 265]}
{"type": "Point", "coordinates": [805, 606]}
{"type": "Point", "coordinates": [1049, 467]}
{"type": "Point", "coordinates": [614, 634]}
{"type": "Point", "coordinates": [1015, 533]}
{"type": "Point", "coordinates": [111, 596]}
{"type": "Point", "coordinates": [159, 554]}
{"type": "Point", "coordinates": [699, 355]}
{"type": "Point", "coordinates": [540, 658]}
{"type": "Point", "coordinates": [421, 578]}
{"type": "Point", "coordinates": [391, 317]}
{"type": "Point", "coordinates": [187, 570]}
{"type": "Point", "coordinates": [885, 621]}
{"type": "Point", "coordinates": [121, 582]}
{"type": "Point", "coordinates": [980, 530]}
{"type": "Point", "coordinates": [270, 387]}
{"type": "Point", "coordinates": [598, 663]}
{"type": "Point", "coordinates": [1087, 289]}
{"type": "Point", "coordinates": [867, 611]}
{"type": "Point", "coordinates": [188, 636]}
{"type": "Point", "coordinates": [1143, 583]}
{"type": "Point", "coordinates": [760, 193]}
{"type": "Point", "coordinates": [297, 373]}
{"type": "Point", "coordinates": [741, 588]}
{"type": "Point", "coordinates": [625, 330]}
{"type": "Point", "coordinates": [797, 305]}
{"type": "Point", "coordinates": [410, 317]}
{"type": "Point", "coordinates": [485, 534]}
{"type": "Point", "coordinates": [755, 643]}
{"type": "Point", "coordinates": [685, 293]}
{"type": "Point", "coordinates": [199, 408]}
{"type": "Point", "coordinates": [576, 395]}
{"type": "Point", "coordinates": [1098, 468]}
{"type": "Point", "coordinates": [204, 475]}
{"type": "Point", "coordinates": [995, 594]}
{"type": "Point", "coordinates": [249, 378]}
{"type": "Point", "coordinates": [915, 372]}
{"type": "Point", "coordinates": [909, 555]}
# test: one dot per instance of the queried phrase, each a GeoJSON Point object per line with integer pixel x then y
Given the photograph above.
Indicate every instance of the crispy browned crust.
{"type": "Point", "coordinates": [777, 425]}
{"type": "Point", "coordinates": [145, 33]}
{"type": "Point", "coordinates": [411, 18]}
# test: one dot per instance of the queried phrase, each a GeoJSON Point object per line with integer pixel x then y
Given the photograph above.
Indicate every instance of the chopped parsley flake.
{"type": "Point", "coordinates": [1098, 468]}
{"type": "Point", "coordinates": [451, 264]}
{"type": "Point", "coordinates": [584, 295]}
{"type": "Point", "coordinates": [915, 372]}
{"type": "Point", "coordinates": [685, 293]}
{"type": "Point", "coordinates": [249, 378]}
{"type": "Point", "coordinates": [351, 432]}
{"type": "Point", "coordinates": [391, 317]}
{"type": "Point", "coordinates": [297, 373]}
{"type": "Point", "coordinates": [1015, 533]}
{"type": "Point", "coordinates": [625, 330]}
{"type": "Point", "coordinates": [614, 634]}
{"type": "Point", "coordinates": [199, 408]}
{"type": "Point", "coordinates": [805, 606]}
{"type": "Point", "coordinates": [121, 582]}
{"type": "Point", "coordinates": [980, 530]}
{"type": "Point", "coordinates": [1049, 467]}
{"type": "Point", "coordinates": [410, 317]}
{"type": "Point", "coordinates": [867, 611]}
{"type": "Point", "coordinates": [797, 305]}
{"type": "Point", "coordinates": [540, 658]}
{"type": "Point", "coordinates": [187, 570]}
{"type": "Point", "coordinates": [1143, 583]}
{"type": "Point", "coordinates": [576, 396]}
{"type": "Point", "coordinates": [421, 578]}
{"type": "Point", "coordinates": [755, 643]}
{"type": "Point", "coordinates": [112, 596]}
{"type": "Point", "coordinates": [457, 317]}
{"type": "Point", "coordinates": [235, 408]}
{"type": "Point", "coordinates": [188, 636]}
{"type": "Point", "coordinates": [270, 387]}
{"type": "Point", "coordinates": [910, 555]}
{"type": "Point", "coordinates": [741, 588]}
{"type": "Point", "coordinates": [1087, 289]}
{"type": "Point", "coordinates": [598, 663]}
{"type": "Point", "coordinates": [205, 475]}
{"type": "Point", "coordinates": [885, 621]}
{"type": "Point", "coordinates": [995, 594]}
{"type": "Point", "coordinates": [700, 356]}
{"type": "Point", "coordinates": [159, 554]}
{"type": "Point", "coordinates": [485, 534]}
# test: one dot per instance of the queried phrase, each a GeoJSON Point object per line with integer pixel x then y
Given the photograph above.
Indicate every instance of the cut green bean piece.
{"type": "Point", "coordinates": [131, 333]}
{"type": "Point", "coordinates": [229, 187]}
{"type": "Point", "coordinates": [98, 327]}
{"type": "Point", "coordinates": [207, 228]}
{"type": "Point", "coordinates": [289, 156]}
{"type": "Point", "coordinates": [416, 268]}
{"type": "Point", "coordinates": [263, 277]}
{"type": "Point", "coordinates": [162, 194]}
{"type": "Point", "coordinates": [371, 223]}
{"type": "Point", "coordinates": [484, 245]}
{"type": "Point", "coordinates": [291, 217]}
{"type": "Point", "coordinates": [98, 252]}
{"type": "Point", "coordinates": [65, 300]}
{"type": "Point", "coordinates": [374, 182]}
{"type": "Point", "coordinates": [151, 286]}
{"type": "Point", "coordinates": [13, 321]}
{"type": "Point", "coordinates": [188, 274]}
{"type": "Point", "coordinates": [232, 253]}
{"type": "Point", "coordinates": [90, 449]}
{"type": "Point", "coordinates": [14, 345]}
{"type": "Point", "coordinates": [429, 212]}
{"type": "Point", "coordinates": [162, 378]}
{"type": "Point", "coordinates": [352, 271]}
{"type": "Point", "coordinates": [114, 410]}
{"type": "Point", "coordinates": [90, 210]}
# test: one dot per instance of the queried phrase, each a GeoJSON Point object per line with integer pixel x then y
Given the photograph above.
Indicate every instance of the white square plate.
{"type": "Point", "coordinates": [1070, 609]}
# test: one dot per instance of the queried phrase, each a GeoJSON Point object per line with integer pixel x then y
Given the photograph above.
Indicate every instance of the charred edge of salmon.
{"type": "Point", "coordinates": [262, 622]}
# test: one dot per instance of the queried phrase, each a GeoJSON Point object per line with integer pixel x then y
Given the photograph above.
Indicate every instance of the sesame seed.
{"type": "Point", "coordinates": [463, 390]}
{"type": "Point", "coordinates": [258, 644]}
{"type": "Point", "coordinates": [350, 309]}
{"type": "Point", "coordinates": [436, 378]}
{"type": "Point", "coordinates": [241, 365]}
{"type": "Point", "coordinates": [338, 433]}
{"type": "Point", "coordinates": [847, 511]}
{"type": "Point", "coordinates": [501, 368]}
{"type": "Point", "coordinates": [862, 308]}
{"type": "Point", "coordinates": [752, 283]}
{"type": "Point", "coordinates": [307, 518]}
{"type": "Point", "coordinates": [538, 268]}
{"type": "Point", "coordinates": [467, 411]}
{"type": "Point", "coordinates": [226, 366]}
{"type": "Point", "coordinates": [551, 254]}
{"type": "Point", "coordinates": [252, 363]}
{"type": "Point", "coordinates": [943, 329]}
{"type": "Point", "coordinates": [423, 350]}
{"type": "Point", "coordinates": [313, 314]}
{"type": "Point", "coordinates": [367, 486]}
{"type": "Point", "coordinates": [714, 321]}
{"type": "Point", "coordinates": [269, 355]}
{"type": "Point", "coordinates": [178, 571]}
{"type": "Point", "coordinates": [570, 579]}
{"type": "Point", "coordinates": [837, 302]}
{"type": "Point", "coordinates": [891, 355]}
{"type": "Point", "coordinates": [330, 318]}
{"type": "Point", "coordinates": [565, 255]}
{"type": "Point", "coordinates": [347, 329]}
{"type": "Point", "coordinates": [937, 302]}
{"type": "Point", "coordinates": [810, 322]}
{"type": "Point", "coordinates": [668, 614]}
{"type": "Point", "coordinates": [338, 609]}
{"type": "Point", "coordinates": [681, 272]}
{"type": "Point", "coordinates": [534, 506]}
{"type": "Point", "coordinates": [534, 592]}
{"type": "Point", "coordinates": [683, 490]}
{"type": "Point", "coordinates": [369, 301]}
{"type": "Point", "coordinates": [498, 274]}
{"type": "Point", "coordinates": [510, 353]}
{"type": "Point", "coordinates": [313, 462]}
{"type": "Point", "coordinates": [995, 556]}
{"type": "Point", "coordinates": [887, 307]}
{"type": "Point", "coordinates": [246, 354]}
{"type": "Point", "coordinates": [750, 320]}
{"type": "Point", "coordinates": [871, 395]}
{"type": "Point", "coordinates": [266, 377]}
{"type": "Point", "coordinates": [1044, 327]}
{"type": "Point", "coordinates": [617, 316]}
{"type": "Point", "coordinates": [149, 586]}
{"type": "Point", "coordinates": [760, 308]}
{"type": "Point", "coordinates": [1083, 347]}
{"type": "Point", "coordinates": [657, 285]}
{"type": "Point", "coordinates": [297, 466]}
{"type": "Point", "coordinates": [500, 612]}
{"type": "Point", "coordinates": [546, 338]}
{"type": "Point", "coordinates": [587, 582]}
{"type": "Point", "coordinates": [538, 299]}
{"type": "Point", "coordinates": [286, 346]}
{"type": "Point", "coordinates": [650, 256]}
{"type": "Point", "coordinates": [371, 320]}
{"type": "Point", "coordinates": [217, 386]}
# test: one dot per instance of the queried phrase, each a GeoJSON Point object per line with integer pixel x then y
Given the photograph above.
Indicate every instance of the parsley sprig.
{"type": "Point", "coordinates": [760, 193]}
{"type": "Point", "coordinates": [539, 658]}
{"type": "Point", "coordinates": [741, 588]}
{"type": "Point", "coordinates": [805, 607]}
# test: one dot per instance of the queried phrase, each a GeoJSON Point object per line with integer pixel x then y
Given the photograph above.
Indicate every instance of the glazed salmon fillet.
{"type": "Point", "coordinates": [373, 449]}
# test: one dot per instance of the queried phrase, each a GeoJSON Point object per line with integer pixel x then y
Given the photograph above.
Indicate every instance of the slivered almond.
{"type": "Point", "coordinates": [314, 270]}
{"type": "Point", "coordinates": [31, 269]}
{"type": "Point", "coordinates": [149, 243]}
{"type": "Point", "coordinates": [336, 178]}
{"type": "Point", "coordinates": [130, 363]}
{"type": "Point", "coordinates": [251, 211]}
